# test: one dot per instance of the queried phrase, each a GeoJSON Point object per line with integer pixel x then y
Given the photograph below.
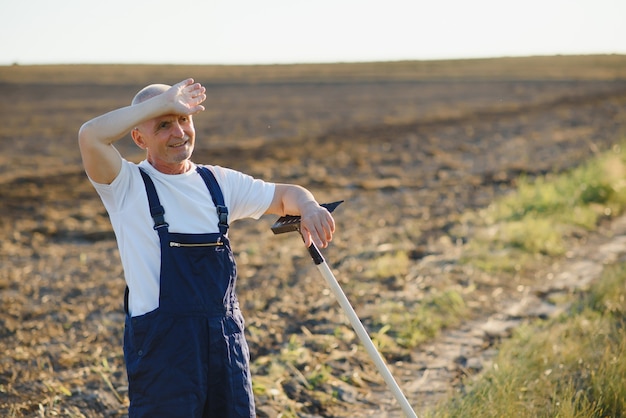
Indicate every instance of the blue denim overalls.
{"type": "Point", "coordinates": [189, 358]}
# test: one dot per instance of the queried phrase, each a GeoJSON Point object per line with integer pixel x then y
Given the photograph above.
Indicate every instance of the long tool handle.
{"type": "Point", "coordinates": [360, 330]}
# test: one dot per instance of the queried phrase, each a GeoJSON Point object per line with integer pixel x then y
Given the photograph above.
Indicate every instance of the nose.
{"type": "Point", "coordinates": [177, 130]}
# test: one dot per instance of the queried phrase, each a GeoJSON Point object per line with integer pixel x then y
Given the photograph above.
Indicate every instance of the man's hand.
{"type": "Point", "coordinates": [316, 223]}
{"type": "Point", "coordinates": [186, 97]}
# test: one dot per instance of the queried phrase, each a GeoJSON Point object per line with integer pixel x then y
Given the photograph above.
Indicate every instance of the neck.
{"type": "Point", "coordinates": [178, 168]}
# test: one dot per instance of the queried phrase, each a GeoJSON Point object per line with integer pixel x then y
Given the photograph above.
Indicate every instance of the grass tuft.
{"type": "Point", "coordinates": [406, 327]}
{"type": "Point", "coordinates": [543, 213]}
{"type": "Point", "coordinates": [571, 366]}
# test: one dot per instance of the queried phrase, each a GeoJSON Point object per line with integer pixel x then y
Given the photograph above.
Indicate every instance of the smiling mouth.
{"type": "Point", "coordinates": [179, 144]}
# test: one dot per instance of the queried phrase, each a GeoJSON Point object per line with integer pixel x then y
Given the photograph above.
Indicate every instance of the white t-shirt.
{"type": "Point", "coordinates": [188, 207]}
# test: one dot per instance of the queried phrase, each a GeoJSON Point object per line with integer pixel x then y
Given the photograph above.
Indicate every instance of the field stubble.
{"type": "Point", "coordinates": [409, 151]}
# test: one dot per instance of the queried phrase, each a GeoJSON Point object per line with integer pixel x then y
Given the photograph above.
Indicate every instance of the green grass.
{"type": "Point", "coordinates": [543, 213]}
{"type": "Point", "coordinates": [404, 327]}
{"type": "Point", "coordinates": [536, 221]}
{"type": "Point", "coordinates": [389, 265]}
{"type": "Point", "coordinates": [571, 366]}
{"type": "Point", "coordinates": [567, 367]}
{"type": "Point", "coordinates": [578, 197]}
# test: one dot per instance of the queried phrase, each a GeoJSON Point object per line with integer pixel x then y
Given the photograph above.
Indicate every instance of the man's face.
{"type": "Point", "coordinates": [169, 140]}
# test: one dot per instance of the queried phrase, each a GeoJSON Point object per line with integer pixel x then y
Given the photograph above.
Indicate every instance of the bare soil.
{"type": "Point", "coordinates": [409, 147]}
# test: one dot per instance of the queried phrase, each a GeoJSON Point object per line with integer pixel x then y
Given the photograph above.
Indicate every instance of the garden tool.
{"type": "Point", "coordinates": [292, 223]}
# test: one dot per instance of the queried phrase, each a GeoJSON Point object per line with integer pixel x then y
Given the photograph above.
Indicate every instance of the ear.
{"type": "Point", "coordinates": [138, 138]}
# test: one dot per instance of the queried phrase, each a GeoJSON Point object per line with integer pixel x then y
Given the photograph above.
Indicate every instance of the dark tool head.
{"type": "Point", "coordinates": [291, 223]}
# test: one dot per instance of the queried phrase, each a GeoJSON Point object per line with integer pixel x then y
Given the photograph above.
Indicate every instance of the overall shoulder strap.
{"type": "Point", "coordinates": [156, 210]}
{"type": "Point", "coordinates": [217, 196]}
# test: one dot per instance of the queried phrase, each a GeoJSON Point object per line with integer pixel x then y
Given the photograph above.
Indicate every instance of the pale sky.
{"type": "Point", "coordinates": [297, 31]}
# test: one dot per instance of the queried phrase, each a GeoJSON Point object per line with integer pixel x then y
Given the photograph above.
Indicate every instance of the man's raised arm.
{"type": "Point", "coordinates": [101, 160]}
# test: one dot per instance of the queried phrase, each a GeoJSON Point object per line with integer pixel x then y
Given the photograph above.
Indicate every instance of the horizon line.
{"type": "Point", "coordinates": [288, 63]}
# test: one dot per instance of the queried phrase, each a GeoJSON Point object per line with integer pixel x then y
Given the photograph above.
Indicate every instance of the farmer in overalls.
{"type": "Point", "coordinates": [184, 345]}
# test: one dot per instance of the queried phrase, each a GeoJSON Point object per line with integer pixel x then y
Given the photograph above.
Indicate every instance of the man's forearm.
{"type": "Point", "coordinates": [112, 126]}
{"type": "Point", "coordinates": [291, 199]}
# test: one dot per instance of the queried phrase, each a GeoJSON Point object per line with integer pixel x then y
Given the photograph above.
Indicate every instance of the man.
{"type": "Point", "coordinates": [185, 352]}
